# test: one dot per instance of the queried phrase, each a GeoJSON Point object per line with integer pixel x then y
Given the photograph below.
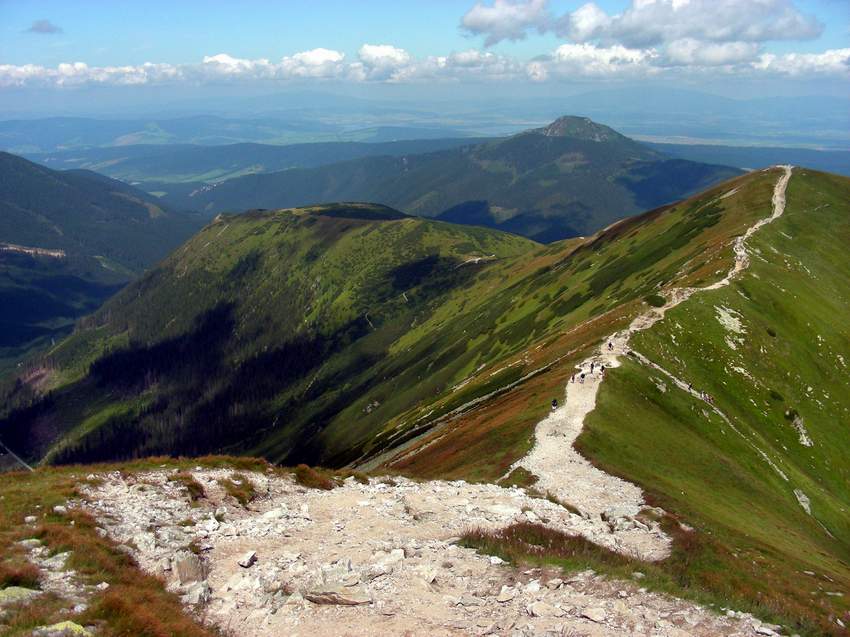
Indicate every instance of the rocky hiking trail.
{"type": "Point", "coordinates": [562, 471]}
{"type": "Point", "coordinates": [380, 556]}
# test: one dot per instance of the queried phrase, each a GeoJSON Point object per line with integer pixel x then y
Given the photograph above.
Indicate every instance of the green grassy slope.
{"type": "Point", "coordinates": [782, 381]}
{"type": "Point", "coordinates": [282, 317]}
{"type": "Point", "coordinates": [321, 335]}
{"type": "Point", "coordinates": [102, 232]}
{"type": "Point", "coordinates": [568, 179]}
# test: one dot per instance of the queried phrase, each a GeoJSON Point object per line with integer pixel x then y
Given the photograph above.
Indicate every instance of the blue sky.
{"type": "Point", "coordinates": [501, 41]}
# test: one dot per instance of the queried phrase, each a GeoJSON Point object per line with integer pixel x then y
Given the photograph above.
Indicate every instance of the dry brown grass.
{"type": "Point", "coordinates": [240, 488]}
{"type": "Point", "coordinates": [314, 478]}
{"type": "Point", "coordinates": [187, 480]}
{"type": "Point", "coordinates": [18, 572]}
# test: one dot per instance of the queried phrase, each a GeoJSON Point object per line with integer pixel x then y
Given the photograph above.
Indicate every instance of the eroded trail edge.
{"type": "Point", "coordinates": [562, 471]}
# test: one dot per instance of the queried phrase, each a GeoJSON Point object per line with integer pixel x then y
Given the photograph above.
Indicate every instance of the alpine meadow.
{"type": "Point", "coordinates": [497, 317]}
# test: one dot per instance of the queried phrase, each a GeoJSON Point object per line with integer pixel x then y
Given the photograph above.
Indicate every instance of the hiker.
{"type": "Point", "coordinates": [591, 368]}
{"type": "Point", "coordinates": [610, 346]}
{"type": "Point", "coordinates": [690, 387]}
{"type": "Point", "coordinates": [554, 404]}
{"type": "Point", "coordinates": [573, 378]}
{"type": "Point", "coordinates": [602, 370]}
{"type": "Point", "coordinates": [581, 378]}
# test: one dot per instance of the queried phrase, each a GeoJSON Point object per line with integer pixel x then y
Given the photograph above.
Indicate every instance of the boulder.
{"type": "Point", "coordinates": [62, 629]}
{"type": "Point", "coordinates": [17, 595]}
{"type": "Point", "coordinates": [340, 596]}
{"type": "Point", "coordinates": [506, 594]}
{"type": "Point", "coordinates": [594, 614]}
{"type": "Point", "coordinates": [60, 510]}
{"type": "Point", "coordinates": [540, 609]}
{"type": "Point", "coordinates": [187, 568]}
{"type": "Point", "coordinates": [248, 559]}
{"type": "Point", "coordinates": [197, 593]}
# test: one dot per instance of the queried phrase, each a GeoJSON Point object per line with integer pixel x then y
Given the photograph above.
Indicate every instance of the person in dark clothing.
{"type": "Point", "coordinates": [554, 403]}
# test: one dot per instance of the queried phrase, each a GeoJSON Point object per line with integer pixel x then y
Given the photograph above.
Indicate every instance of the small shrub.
{"type": "Point", "coordinates": [187, 480]}
{"type": "Point", "coordinates": [313, 479]}
{"type": "Point", "coordinates": [775, 395]}
{"type": "Point", "coordinates": [240, 488]}
{"type": "Point", "coordinates": [519, 477]}
{"type": "Point", "coordinates": [655, 300]}
{"type": "Point", "coordinates": [771, 332]}
{"type": "Point", "coordinates": [18, 574]}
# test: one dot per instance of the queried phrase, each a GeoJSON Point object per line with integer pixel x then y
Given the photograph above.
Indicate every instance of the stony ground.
{"type": "Point", "coordinates": [374, 558]}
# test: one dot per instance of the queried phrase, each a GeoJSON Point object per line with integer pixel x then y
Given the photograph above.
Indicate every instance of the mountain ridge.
{"type": "Point", "coordinates": [546, 187]}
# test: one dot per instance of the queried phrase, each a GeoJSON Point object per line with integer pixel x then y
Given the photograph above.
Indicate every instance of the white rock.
{"type": "Point", "coordinates": [197, 593]}
{"type": "Point", "coordinates": [594, 614]}
{"type": "Point", "coordinates": [187, 568]}
{"type": "Point", "coordinates": [540, 609]}
{"type": "Point", "coordinates": [506, 594]}
{"type": "Point", "coordinates": [248, 559]}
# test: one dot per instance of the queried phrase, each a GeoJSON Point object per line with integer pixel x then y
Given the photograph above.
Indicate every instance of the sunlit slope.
{"type": "Point", "coordinates": [772, 350]}
{"type": "Point", "coordinates": [320, 335]}
{"type": "Point", "coordinates": [259, 332]}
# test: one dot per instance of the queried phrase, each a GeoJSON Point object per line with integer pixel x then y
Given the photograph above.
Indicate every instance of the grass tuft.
{"type": "Point", "coordinates": [187, 480]}
{"type": "Point", "coordinates": [240, 488]}
{"type": "Point", "coordinates": [19, 573]}
{"type": "Point", "coordinates": [313, 478]}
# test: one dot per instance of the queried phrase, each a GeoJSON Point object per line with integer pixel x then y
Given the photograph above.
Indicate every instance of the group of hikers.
{"type": "Point", "coordinates": [593, 366]}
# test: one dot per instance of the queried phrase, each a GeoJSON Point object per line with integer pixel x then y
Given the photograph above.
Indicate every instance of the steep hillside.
{"type": "Point", "coordinates": [164, 165]}
{"type": "Point", "coordinates": [354, 335]}
{"type": "Point", "coordinates": [570, 178]}
{"type": "Point", "coordinates": [68, 240]}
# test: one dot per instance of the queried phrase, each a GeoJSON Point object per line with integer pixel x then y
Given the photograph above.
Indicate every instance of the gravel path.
{"type": "Point", "coordinates": [373, 559]}
{"type": "Point", "coordinates": [560, 469]}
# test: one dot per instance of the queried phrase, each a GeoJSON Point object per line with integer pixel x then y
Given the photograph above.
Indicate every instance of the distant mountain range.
{"type": "Point", "coordinates": [69, 240]}
{"type": "Point", "coordinates": [177, 163]}
{"type": "Point", "coordinates": [569, 178]}
{"type": "Point", "coordinates": [70, 133]}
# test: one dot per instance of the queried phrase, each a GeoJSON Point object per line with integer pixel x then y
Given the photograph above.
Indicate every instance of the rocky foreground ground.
{"type": "Point", "coordinates": [376, 557]}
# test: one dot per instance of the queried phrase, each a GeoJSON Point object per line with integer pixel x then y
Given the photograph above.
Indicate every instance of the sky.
{"type": "Point", "coordinates": [794, 46]}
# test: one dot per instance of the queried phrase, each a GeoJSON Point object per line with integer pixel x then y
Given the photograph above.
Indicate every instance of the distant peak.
{"type": "Point", "coordinates": [578, 128]}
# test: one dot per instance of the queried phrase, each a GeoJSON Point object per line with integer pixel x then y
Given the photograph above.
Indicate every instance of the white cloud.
{"type": "Point", "coordinates": [506, 19]}
{"type": "Point", "coordinates": [653, 22]}
{"type": "Point", "coordinates": [390, 64]}
{"type": "Point", "coordinates": [381, 62]}
{"type": "Point", "coordinates": [646, 23]}
{"type": "Point", "coordinates": [585, 23]}
{"type": "Point", "coordinates": [690, 52]}
{"type": "Point", "coordinates": [588, 60]}
{"type": "Point", "coordinates": [832, 62]}
{"type": "Point", "coordinates": [315, 63]}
